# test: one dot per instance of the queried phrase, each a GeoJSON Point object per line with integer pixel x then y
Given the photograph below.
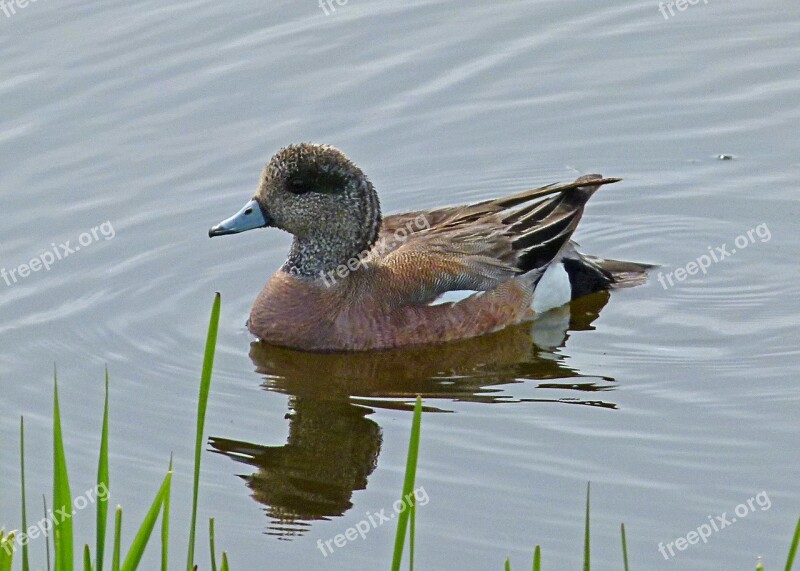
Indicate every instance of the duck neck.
{"type": "Point", "coordinates": [323, 253]}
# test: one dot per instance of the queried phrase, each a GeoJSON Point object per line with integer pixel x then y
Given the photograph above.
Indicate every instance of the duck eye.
{"type": "Point", "coordinates": [298, 186]}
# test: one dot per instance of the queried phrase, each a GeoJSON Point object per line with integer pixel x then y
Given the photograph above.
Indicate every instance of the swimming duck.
{"type": "Point", "coordinates": [356, 281]}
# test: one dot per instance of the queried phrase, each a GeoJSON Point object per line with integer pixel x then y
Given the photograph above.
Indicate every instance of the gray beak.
{"type": "Point", "coordinates": [249, 217]}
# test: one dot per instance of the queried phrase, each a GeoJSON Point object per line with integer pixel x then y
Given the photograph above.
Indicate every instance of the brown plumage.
{"type": "Point", "coordinates": [354, 281]}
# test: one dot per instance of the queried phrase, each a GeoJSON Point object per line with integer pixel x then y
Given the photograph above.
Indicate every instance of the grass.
{"type": "Point", "coordinates": [586, 553]}
{"type": "Point", "coordinates": [408, 494]}
{"type": "Point", "coordinates": [62, 531]}
{"type": "Point", "coordinates": [624, 547]}
{"type": "Point", "coordinates": [793, 548]}
{"type": "Point", "coordinates": [202, 406]}
{"type": "Point", "coordinates": [402, 523]}
{"type": "Point", "coordinates": [63, 540]}
{"type": "Point", "coordinates": [6, 553]}
{"type": "Point", "coordinates": [102, 480]}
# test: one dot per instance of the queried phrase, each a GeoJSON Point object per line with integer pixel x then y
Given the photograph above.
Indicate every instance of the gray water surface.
{"type": "Point", "coordinates": [677, 403]}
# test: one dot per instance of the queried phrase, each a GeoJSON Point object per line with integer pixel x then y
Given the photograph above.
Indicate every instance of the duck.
{"type": "Point", "coordinates": [355, 280]}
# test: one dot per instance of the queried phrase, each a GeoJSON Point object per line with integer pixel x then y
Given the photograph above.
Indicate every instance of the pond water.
{"type": "Point", "coordinates": [150, 121]}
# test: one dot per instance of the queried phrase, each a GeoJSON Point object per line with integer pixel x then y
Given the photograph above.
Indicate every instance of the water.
{"type": "Point", "coordinates": [156, 118]}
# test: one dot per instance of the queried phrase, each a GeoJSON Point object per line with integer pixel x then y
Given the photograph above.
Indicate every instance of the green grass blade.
{"type": "Point", "coordinates": [508, 564]}
{"type": "Point", "coordinates": [537, 559]}
{"type": "Point", "coordinates": [408, 485]}
{"type": "Point", "coordinates": [6, 551]}
{"type": "Point", "coordinates": [62, 497]}
{"type": "Point", "coordinates": [412, 531]}
{"type": "Point", "coordinates": [211, 542]}
{"type": "Point", "coordinates": [139, 544]}
{"type": "Point", "coordinates": [165, 527]}
{"type": "Point", "coordinates": [224, 562]}
{"type": "Point", "coordinates": [624, 547]}
{"type": "Point", "coordinates": [102, 484]}
{"type": "Point", "coordinates": [117, 539]}
{"type": "Point", "coordinates": [25, 557]}
{"type": "Point", "coordinates": [202, 404]}
{"type": "Point", "coordinates": [87, 559]}
{"type": "Point", "coordinates": [759, 565]}
{"type": "Point", "coordinates": [793, 548]}
{"type": "Point", "coordinates": [46, 535]}
{"type": "Point", "coordinates": [586, 545]}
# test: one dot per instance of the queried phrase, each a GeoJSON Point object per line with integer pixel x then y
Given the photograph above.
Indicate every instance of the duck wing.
{"type": "Point", "coordinates": [424, 254]}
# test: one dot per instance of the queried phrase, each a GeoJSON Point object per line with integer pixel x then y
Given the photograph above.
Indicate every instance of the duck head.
{"type": "Point", "coordinates": [323, 199]}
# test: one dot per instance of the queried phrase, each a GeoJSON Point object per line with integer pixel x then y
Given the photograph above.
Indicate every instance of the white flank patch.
{"type": "Point", "coordinates": [553, 290]}
{"type": "Point", "coordinates": [453, 296]}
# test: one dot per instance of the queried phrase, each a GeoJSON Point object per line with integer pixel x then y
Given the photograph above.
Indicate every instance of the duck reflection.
{"type": "Point", "coordinates": [333, 446]}
{"type": "Point", "coordinates": [330, 451]}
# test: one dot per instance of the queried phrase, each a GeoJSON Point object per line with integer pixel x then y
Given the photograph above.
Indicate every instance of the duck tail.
{"type": "Point", "coordinates": [589, 274]}
{"type": "Point", "coordinates": [541, 231]}
{"type": "Point", "coordinates": [625, 274]}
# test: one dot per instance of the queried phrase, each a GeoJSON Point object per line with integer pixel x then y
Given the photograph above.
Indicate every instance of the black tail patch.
{"type": "Point", "coordinates": [588, 274]}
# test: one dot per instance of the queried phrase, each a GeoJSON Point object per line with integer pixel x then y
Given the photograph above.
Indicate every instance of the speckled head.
{"type": "Point", "coordinates": [321, 197]}
{"type": "Point", "coordinates": [312, 190]}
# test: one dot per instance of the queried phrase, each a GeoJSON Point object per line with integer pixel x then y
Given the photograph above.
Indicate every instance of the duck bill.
{"type": "Point", "coordinates": [251, 216]}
